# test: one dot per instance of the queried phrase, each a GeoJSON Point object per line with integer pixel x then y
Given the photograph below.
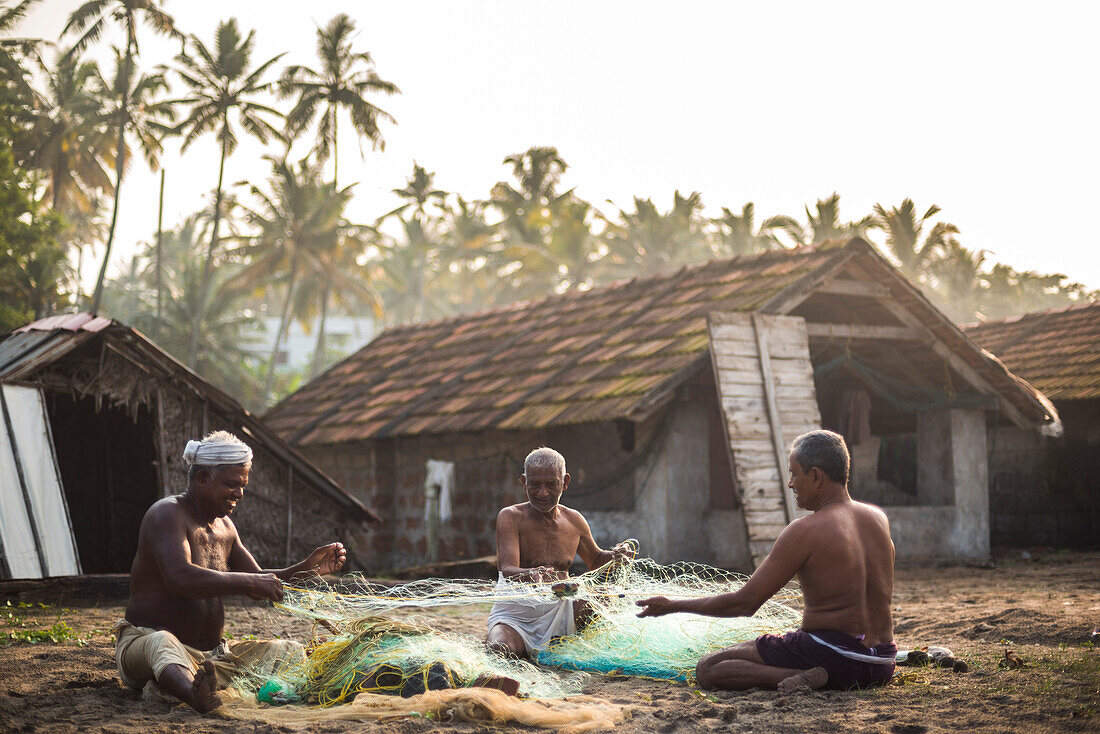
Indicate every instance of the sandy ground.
{"type": "Point", "coordinates": [1044, 609]}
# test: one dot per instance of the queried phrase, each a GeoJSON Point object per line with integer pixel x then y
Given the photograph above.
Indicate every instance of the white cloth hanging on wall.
{"type": "Point", "coordinates": [440, 474]}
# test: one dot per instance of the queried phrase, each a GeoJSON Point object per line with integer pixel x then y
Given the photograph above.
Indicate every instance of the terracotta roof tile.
{"type": "Point", "coordinates": [607, 353]}
{"type": "Point", "coordinates": [1056, 351]}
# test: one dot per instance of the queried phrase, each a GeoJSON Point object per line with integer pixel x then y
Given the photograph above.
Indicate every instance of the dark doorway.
{"type": "Point", "coordinates": [107, 459]}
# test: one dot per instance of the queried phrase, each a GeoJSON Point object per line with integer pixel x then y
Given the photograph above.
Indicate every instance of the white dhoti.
{"type": "Point", "coordinates": [535, 620]}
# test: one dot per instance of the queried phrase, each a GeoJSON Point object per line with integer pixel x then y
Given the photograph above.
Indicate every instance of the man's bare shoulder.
{"type": "Point", "coordinates": [574, 517]}
{"type": "Point", "coordinates": [168, 508]}
{"type": "Point", "coordinates": [513, 513]}
{"type": "Point", "coordinates": [870, 511]}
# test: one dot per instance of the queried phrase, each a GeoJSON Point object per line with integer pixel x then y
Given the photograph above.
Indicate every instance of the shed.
{"type": "Point", "coordinates": [673, 399]}
{"type": "Point", "coordinates": [1043, 489]}
{"type": "Point", "coordinates": [95, 417]}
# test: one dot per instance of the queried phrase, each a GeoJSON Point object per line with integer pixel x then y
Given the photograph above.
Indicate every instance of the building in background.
{"type": "Point", "coordinates": [674, 399]}
{"type": "Point", "coordinates": [343, 336]}
{"type": "Point", "coordinates": [1043, 487]}
{"type": "Point", "coordinates": [94, 420]}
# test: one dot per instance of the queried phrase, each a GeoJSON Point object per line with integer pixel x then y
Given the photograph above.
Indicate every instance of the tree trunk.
{"type": "Point", "coordinates": [196, 325]}
{"type": "Point", "coordinates": [335, 152]}
{"type": "Point", "coordinates": [160, 262]}
{"type": "Point", "coordinates": [119, 160]}
{"type": "Point", "coordinates": [319, 347]}
{"type": "Point", "coordinates": [284, 319]}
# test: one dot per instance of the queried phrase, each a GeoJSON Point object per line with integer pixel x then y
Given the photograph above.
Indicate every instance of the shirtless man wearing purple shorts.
{"type": "Point", "coordinates": [844, 560]}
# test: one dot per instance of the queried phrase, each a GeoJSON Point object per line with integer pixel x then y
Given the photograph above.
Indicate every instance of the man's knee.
{"type": "Point", "coordinates": [147, 656]}
{"type": "Point", "coordinates": [505, 640]}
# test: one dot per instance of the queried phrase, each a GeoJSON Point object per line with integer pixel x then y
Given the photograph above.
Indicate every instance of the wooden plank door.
{"type": "Point", "coordinates": [765, 386]}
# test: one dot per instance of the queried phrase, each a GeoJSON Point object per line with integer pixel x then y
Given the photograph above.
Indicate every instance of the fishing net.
{"type": "Point", "coordinates": [616, 641]}
{"type": "Point", "coordinates": [371, 651]}
{"type": "Point", "coordinates": [576, 715]}
{"type": "Point", "coordinates": [388, 656]}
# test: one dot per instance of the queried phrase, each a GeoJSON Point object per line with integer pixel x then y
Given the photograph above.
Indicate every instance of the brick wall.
{"type": "Point", "coordinates": [1043, 490]}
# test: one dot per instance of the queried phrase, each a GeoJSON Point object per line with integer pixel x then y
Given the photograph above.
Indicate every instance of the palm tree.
{"type": "Point", "coordinates": [904, 233]}
{"type": "Point", "coordinates": [302, 241]}
{"type": "Point", "coordinates": [135, 108]}
{"type": "Point", "coordinates": [737, 233]}
{"type": "Point", "coordinates": [344, 81]}
{"type": "Point", "coordinates": [225, 358]}
{"type": "Point", "coordinates": [545, 239]}
{"type": "Point", "coordinates": [957, 275]}
{"type": "Point", "coordinates": [824, 224]}
{"type": "Point", "coordinates": [66, 135]}
{"type": "Point", "coordinates": [89, 22]}
{"type": "Point", "coordinates": [648, 241]}
{"type": "Point", "coordinates": [218, 83]}
{"type": "Point", "coordinates": [11, 49]}
{"type": "Point", "coordinates": [468, 249]}
{"type": "Point", "coordinates": [527, 210]}
{"type": "Point", "coordinates": [420, 219]}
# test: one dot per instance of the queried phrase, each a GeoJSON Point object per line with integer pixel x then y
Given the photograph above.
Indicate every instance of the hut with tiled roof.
{"type": "Point", "coordinates": [1043, 490]}
{"type": "Point", "coordinates": [93, 420]}
{"type": "Point", "coordinates": [673, 399]}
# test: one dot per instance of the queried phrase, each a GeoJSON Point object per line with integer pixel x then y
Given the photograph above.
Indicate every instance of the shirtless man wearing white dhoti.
{"type": "Point", "coordinates": [536, 542]}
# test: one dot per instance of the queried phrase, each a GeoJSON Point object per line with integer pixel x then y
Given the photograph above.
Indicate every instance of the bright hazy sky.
{"type": "Point", "coordinates": [990, 110]}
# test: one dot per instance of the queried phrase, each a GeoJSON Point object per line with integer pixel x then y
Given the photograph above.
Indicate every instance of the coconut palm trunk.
{"type": "Point", "coordinates": [97, 295]}
{"type": "Point", "coordinates": [208, 265]}
{"type": "Point", "coordinates": [284, 319]}
{"type": "Point", "coordinates": [98, 292]}
{"type": "Point", "coordinates": [319, 347]}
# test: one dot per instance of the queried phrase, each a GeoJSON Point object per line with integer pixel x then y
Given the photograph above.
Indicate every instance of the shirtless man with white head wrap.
{"type": "Point", "coordinates": [189, 556]}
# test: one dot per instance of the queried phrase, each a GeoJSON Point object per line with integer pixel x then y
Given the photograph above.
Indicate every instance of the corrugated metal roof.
{"type": "Point", "coordinates": [1057, 351]}
{"type": "Point", "coordinates": [68, 322]}
{"type": "Point", "coordinates": [609, 353]}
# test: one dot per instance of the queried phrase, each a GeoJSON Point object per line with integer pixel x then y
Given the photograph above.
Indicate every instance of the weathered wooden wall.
{"type": "Point", "coordinates": [766, 386]}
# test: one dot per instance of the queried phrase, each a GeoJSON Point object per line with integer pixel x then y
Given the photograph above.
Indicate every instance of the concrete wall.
{"type": "Point", "coordinates": [1043, 490]}
{"type": "Point", "coordinates": [672, 518]}
{"type": "Point", "coordinates": [952, 487]}
{"type": "Point", "coordinates": [649, 482]}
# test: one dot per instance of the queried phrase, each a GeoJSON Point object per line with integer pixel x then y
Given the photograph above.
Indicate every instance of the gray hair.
{"type": "Point", "coordinates": [825, 450]}
{"type": "Point", "coordinates": [546, 457]}
{"type": "Point", "coordinates": [216, 437]}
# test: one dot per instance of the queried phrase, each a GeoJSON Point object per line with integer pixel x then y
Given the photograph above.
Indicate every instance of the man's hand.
{"type": "Point", "coordinates": [266, 586]}
{"type": "Point", "coordinates": [326, 559]}
{"type": "Point", "coordinates": [656, 606]}
{"type": "Point", "coordinates": [624, 551]}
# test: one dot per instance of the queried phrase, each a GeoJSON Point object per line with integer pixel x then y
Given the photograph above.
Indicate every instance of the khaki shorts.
{"type": "Point", "coordinates": [142, 653]}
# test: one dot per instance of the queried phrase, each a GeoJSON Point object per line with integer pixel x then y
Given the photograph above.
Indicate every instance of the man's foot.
{"type": "Point", "coordinates": [499, 682]}
{"type": "Point", "coordinates": [807, 680]}
{"type": "Point", "coordinates": [203, 698]}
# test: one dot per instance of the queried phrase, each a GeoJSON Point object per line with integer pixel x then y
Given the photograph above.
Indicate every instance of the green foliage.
{"type": "Point", "coordinates": [65, 125]}
{"type": "Point", "coordinates": [30, 630]}
{"type": "Point", "coordinates": [34, 270]}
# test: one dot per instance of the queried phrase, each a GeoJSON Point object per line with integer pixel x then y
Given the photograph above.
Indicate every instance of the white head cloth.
{"type": "Point", "coordinates": [198, 453]}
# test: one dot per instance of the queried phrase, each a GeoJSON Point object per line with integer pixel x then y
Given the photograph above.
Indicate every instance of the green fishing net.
{"type": "Point", "coordinates": [372, 650]}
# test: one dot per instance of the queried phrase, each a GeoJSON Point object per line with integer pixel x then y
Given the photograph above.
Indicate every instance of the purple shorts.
{"type": "Point", "coordinates": [846, 660]}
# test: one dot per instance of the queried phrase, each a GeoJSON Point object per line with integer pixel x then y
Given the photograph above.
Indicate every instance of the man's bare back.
{"type": "Point", "coordinates": [843, 558]}
{"type": "Point", "coordinates": [847, 577]}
